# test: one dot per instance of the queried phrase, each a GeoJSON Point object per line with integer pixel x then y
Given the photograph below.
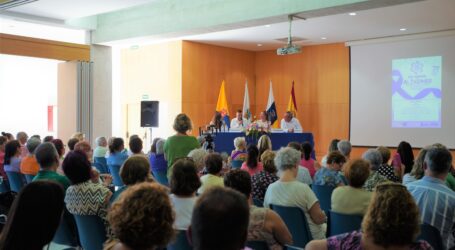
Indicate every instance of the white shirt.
{"type": "Point", "coordinates": [235, 123]}
{"type": "Point", "coordinates": [293, 124]}
{"type": "Point", "coordinates": [262, 124]}
{"type": "Point", "coordinates": [183, 208]}
{"type": "Point", "coordinates": [303, 175]}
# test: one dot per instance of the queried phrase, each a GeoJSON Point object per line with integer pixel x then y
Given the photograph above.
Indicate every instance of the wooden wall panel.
{"type": "Point", "coordinates": [34, 47]}
{"type": "Point", "coordinates": [204, 67]}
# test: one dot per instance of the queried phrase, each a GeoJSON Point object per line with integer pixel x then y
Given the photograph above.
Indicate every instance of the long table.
{"type": "Point", "coordinates": [224, 142]}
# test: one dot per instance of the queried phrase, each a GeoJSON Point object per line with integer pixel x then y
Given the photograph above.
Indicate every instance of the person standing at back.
{"type": "Point", "coordinates": [180, 144]}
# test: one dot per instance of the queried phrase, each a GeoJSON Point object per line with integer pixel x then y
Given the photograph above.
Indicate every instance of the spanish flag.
{"type": "Point", "coordinates": [292, 105]}
{"type": "Point", "coordinates": [222, 105]}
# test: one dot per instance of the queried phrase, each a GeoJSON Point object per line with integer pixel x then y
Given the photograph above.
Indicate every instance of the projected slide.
{"type": "Point", "coordinates": [416, 92]}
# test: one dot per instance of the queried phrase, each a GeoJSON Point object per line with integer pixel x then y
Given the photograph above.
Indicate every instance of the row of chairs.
{"type": "Point", "coordinates": [17, 180]}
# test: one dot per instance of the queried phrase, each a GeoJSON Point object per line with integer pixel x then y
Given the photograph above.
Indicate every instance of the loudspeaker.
{"type": "Point", "coordinates": [150, 113]}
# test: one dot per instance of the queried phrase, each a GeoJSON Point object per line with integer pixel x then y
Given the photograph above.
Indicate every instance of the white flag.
{"type": "Point", "coordinates": [271, 108]}
{"type": "Point", "coordinates": [246, 103]}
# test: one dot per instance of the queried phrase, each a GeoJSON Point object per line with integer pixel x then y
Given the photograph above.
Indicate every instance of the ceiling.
{"type": "Point", "coordinates": [418, 17]}
{"type": "Point", "coordinates": [68, 9]}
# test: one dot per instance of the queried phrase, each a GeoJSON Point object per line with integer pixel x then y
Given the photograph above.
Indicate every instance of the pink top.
{"type": "Point", "coordinates": [258, 168]}
{"type": "Point", "coordinates": [309, 165]}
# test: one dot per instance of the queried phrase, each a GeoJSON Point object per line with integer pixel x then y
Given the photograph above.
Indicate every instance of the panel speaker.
{"type": "Point", "coordinates": [150, 113]}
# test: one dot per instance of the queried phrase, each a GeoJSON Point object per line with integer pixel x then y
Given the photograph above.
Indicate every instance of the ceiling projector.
{"type": "Point", "coordinates": [289, 50]}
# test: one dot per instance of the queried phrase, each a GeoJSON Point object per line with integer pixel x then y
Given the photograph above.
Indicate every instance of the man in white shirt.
{"type": "Point", "coordinates": [289, 123]}
{"type": "Point", "coordinates": [238, 122]}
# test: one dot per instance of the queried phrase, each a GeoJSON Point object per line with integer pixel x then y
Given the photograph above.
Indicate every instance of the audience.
{"type": "Point", "coordinates": [180, 144]}
{"type": "Point", "coordinates": [60, 147]}
{"type": "Point", "coordinates": [265, 224]}
{"type": "Point", "coordinates": [287, 191]}
{"type": "Point", "coordinates": [261, 181]}
{"type": "Point", "coordinates": [308, 162]}
{"type": "Point", "coordinates": [86, 148]}
{"type": "Point", "coordinates": [264, 143]}
{"type": "Point", "coordinates": [117, 153]}
{"type": "Point", "coordinates": [252, 164]}
{"type": "Point", "coordinates": [84, 197]}
{"type": "Point", "coordinates": [344, 147]}
{"type": "Point", "coordinates": [71, 143]}
{"type": "Point", "coordinates": [136, 146]}
{"type": "Point", "coordinates": [220, 220]}
{"type": "Point", "coordinates": [403, 160]}
{"type": "Point", "coordinates": [417, 171]}
{"type": "Point", "coordinates": [3, 141]}
{"type": "Point", "coordinates": [330, 175]}
{"type": "Point", "coordinates": [184, 184]}
{"type": "Point", "coordinates": [101, 147]}
{"type": "Point", "coordinates": [391, 222]}
{"type": "Point", "coordinates": [239, 153]}
{"type": "Point", "coordinates": [214, 165]}
{"type": "Point", "coordinates": [353, 199]}
{"type": "Point", "coordinates": [48, 160]}
{"type": "Point", "coordinates": [198, 155]}
{"type": "Point", "coordinates": [22, 137]}
{"type": "Point", "coordinates": [34, 217]}
{"type": "Point", "coordinates": [333, 146]}
{"type": "Point", "coordinates": [29, 165]}
{"type": "Point", "coordinates": [303, 174]}
{"type": "Point", "coordinates": [158, 163]}
{"type": "Point", "coordinates": [373, 156]}
{"type": "Point", "coordinates": [8, 136]}
{"type": "Point", "coordinates": [12, 156]}
{"type": "Point", "coordinates": [435, 200]}
{"type": "Point", "coordinates": [139, 225]}
{"type": "Point", "coordinates": [385, 169]}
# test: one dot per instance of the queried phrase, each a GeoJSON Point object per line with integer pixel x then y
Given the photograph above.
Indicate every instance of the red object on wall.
{"type": "Point", "coordinates": [50, 118]}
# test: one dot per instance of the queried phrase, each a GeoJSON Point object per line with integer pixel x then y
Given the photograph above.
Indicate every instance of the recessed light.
{"type": "Point", "coordinates": [267, 26]}
{"type": "Point", "coordinates": [403, 29]}
{"type": "Point", "coordinates": [323, 38]}
{"type": "Point", "coordinates": [352, 14]}
{"type": "Point", "coordinates": [259, 45]}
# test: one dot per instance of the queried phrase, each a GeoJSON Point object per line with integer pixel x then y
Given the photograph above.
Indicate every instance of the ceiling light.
{"type": "Point", "coordinates": [267, 26]}
{"type": "Point", "coordinates": [352, 14]}
{"type": "Point", "coordinates": [259, 44]}
{"type": "Point", "coordinates": [323, 38]}
{"type": "Point", "coordinates": [403, 29]}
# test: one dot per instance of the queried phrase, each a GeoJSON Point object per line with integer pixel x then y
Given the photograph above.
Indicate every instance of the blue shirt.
{"type": "Point", "coordinates": [14, 166]}
{"type": "Point", "coordinates": [437, 206]}
{"type": "Point", "coordinates": [157, 162]}
{"type": "Point", "coordinates": [327, 177]}
{"type": "Point", "coordinates": [117, 158]}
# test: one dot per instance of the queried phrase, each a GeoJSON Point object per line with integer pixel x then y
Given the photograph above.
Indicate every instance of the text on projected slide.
{"type": "Point", "coordinates": [416, 92]}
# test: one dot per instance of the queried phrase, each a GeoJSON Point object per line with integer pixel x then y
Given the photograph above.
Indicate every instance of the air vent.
{"type": "Point", "coordinates": [295, 39]}
{"type": "Point", "coordinates": [8, 4]}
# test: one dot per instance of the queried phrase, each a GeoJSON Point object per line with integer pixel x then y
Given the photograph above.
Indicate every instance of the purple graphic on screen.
{"type": "Point", "coordinates": [397, 79]}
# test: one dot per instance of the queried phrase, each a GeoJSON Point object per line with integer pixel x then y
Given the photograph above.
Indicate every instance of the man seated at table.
{"type": "Point", "coordinates": [239, 122]}
{"type": "Point", "coordinates": [289, 123]}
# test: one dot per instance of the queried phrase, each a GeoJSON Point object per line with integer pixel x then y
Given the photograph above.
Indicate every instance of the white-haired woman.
{"type": "Point", "coordinates": [287, 191]}
{"type": "Point", "coordinates": [375, 158]}
{"type": "Point", "coordinates": [239, 153]}
{"type": "Point", "coordinates": [198, 155]}
{"type": "Point", "coordinates": [158, 163]}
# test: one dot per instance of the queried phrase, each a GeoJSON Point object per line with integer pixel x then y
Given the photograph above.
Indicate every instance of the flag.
{"type": "Point", "coordinates": [271, 108]}
{"type": "Point", "coordinates": [246, 103]}
{"type": "Point", "coordinates": [292, 105]}
{"type": "Point", "coordinates": [222, 105]}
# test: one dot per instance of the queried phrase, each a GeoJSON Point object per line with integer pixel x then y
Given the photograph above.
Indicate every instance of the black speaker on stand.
{"type": "Point", "coordinates": [150, 116]}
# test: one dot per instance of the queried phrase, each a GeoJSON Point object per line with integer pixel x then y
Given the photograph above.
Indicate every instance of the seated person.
{"type": "Point", "coordinates": [136, 146]}
{"type": "Point", "coordinates": [264, 143]}
{"type": "Point", "coordinates": [374, 157]}
{"type": "Point", "coordinates": [198, 155]}
{"type": "Point", "coordinates": [12, 162]}
{"type": "Point", "coordinates": [71, 143]}
{"type": "Point", "coordinates": [383, 225]}
{"type": "Point", "coordinates": [117, 152]}
{"type": "Point", "coordinates": [29, 165]}
{"type": "Point", "coordinates": [262, 180]}
{"type": "Point", "coordinates": [101, 147]}
{"type": "Point", "coordinates": [252, 164]}
{"type": "Point", "coordinates": [385, 169]}
{"type": "Point", "coordinates": [308, 162]}
{"type": "Point", "coordinates": [287, 191]}
{"type": "Point", "coordinates": [303, 174]}
{"type": "Point", "coordinates": [330, 175]}
{"type": "Point", "coordinates": [238, 122]}
{"type": "Point", "coordinates": [158, 163]}
{"type": "Point", "coordinates": [220, 220]}
{"type": "Point", "coordinates": [138, 225]}
{"type": "Point", "coordinates": [289, 123]}
{"type": "Point", "coordinates": [265, 224]}
{"type": "Point", "coordinates": [239, 153]}
{"type": "Point", "coordinates": [48, 159]}
{"type": "Point", "coordinates": [263, 122]}
{"type": "Point", "coordinates": [214, 165]}
{"type": "Point", "coordinates": [353, 199]}
{"type": "Point", "coordinates": [184, 184]}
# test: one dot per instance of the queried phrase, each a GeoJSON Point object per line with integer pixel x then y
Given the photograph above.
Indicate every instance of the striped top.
{"type": "Point", "coordinates": [437, 206]}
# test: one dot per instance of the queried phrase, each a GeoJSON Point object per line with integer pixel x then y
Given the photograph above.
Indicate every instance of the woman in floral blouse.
{"type": "Point", "coordinates": [262, 180]}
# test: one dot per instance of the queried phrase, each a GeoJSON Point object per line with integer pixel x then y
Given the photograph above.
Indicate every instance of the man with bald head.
{"type": "Point", "coordinates": [289, 123]}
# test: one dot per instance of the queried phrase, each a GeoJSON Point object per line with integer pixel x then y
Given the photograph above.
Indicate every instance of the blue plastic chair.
{"type": "Point", "coordinates": [343, 223]}
{"type": "Point", "coordinates": [258, 203]}
{"type": "Point", "coordinates": [297, 223]}
{"type": "Point", "coordinates": [161, 177]}
{"type": "Point", "coordinates": [16, 181]}
{"type": "Point", "coordinates": [101, 164]}
{"type": "Point", "coordinates": [91, 230]}
{"type": "Point", "coordinates": [181, 242]}
{"type": "Point", "coordinates": [324, 194]}
{"type": "Point", "coordinates": [431, 235]}
{"type": "Point", "coordinates": [236, 164]}
{"type": "Point", "coordinates": [117, 193]}
{"type": "Point", "coordinates": [66, 233]}
{"type": "Point", "coordinates": [115, 172]}
{"type": "Point", "coordinates": [29, 178]}
{"type": "Point", "coordinates": [257, 245]}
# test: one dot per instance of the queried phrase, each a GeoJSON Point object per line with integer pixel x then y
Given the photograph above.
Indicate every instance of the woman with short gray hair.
{"type": "Point", "coordinates": [198, 155]}
{"type": "Point", "coordinates": [374, 157]}
{"type": "Point", "coordinates": [289, 192]}
{"type": "Point", "coordinates": [158, 163]}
